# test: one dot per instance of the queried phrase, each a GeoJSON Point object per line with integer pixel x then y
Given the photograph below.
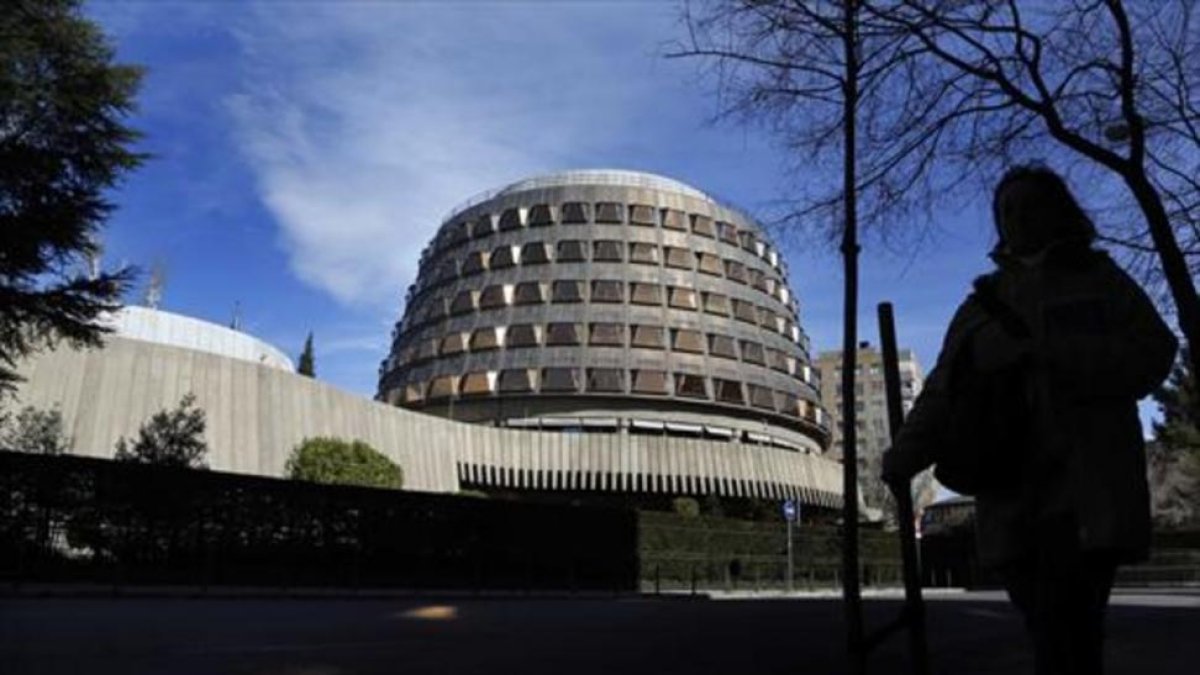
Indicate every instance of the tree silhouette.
{"type": "Point", "coordinates": [170, 437]}
{"type": "Point", "coordinates": [63, 146]}
{"type": "Point", "coordinates": [307, 365]}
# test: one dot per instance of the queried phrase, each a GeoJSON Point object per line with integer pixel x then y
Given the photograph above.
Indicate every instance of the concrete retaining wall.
{"type": "Point", "coordinates": [258, 414]}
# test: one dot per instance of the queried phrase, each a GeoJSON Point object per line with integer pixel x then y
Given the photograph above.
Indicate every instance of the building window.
{"type": "Point", "coordinates": [691, 386]}
{"type": "Point", "coordinates": [681, 298]}
{"type": "Point", "coordinates": [510, 219]}
{"type": "Point", "coordinates": [646, 254]}
{"type": "Point", "coordinates": [641, 214]}
{"type": "Point", "coordinates": [758, 279]}
{"type": "Point", "coordinates": [446, 271]}
{"type": "Point", "coordinates": [744, 311]}
{"type": "Point", "coordinates": [517, 380]}
{"type": "Point", "coordinates": [748, 241]}
{"type": "Point", "coordinates": [567, 290]}
{"type": "Point", "coordinates": [457, 234]}
{"type": "Point", "coordinates": [463, 302]}
{"type": "Point", "coordinates": [452, 344]}
{"type": "Point", "coordinates": [528, 293]}
{"type": "Point", "coordinates": [540, 215]}
{"type": "Point", "coordinates": [444, 386]}
{"type": "Point", "coordinates": [653, 382]}
{"type": "Point", "coordinates": [679, 258]}
{"type": "Point", "coordinates": [574, 213]}
{"type": "Point", "coordinates": [647, 337]}
{"type": "Point", "coordinates": [607, 250]}
{"type": "Point", "coordinates": [610, 212]}
{"type": "Point", "coordinates": [493, 297]}
{"type": "Point", "coordinates": [709, 264]}
{"type": "Point", "coordinates": [761, 397]}
{"type": "Point", "coordinates": [606, 290]}
{"type": "Point", "coordinates": [752, 352]}
{"type": "Point", "coordinates": [607, 334]}
{"type": "Point", "coordinates": [476, 384]}
{"type": "Point", "coordinates": [414, 392]}
{"type": "Point", "coordinates": [766, 318]}
{"type": "Point", "coordinates": [722, 346]}
{"type": "Point", "coordinates": [727, 233]}
{"type": "Point", "coordinates": [484, 338]}
{"type": "Point", "coordinates": [645, 294]}
{"type": "Point", "coordinates": [787, 403]}
{"type": "Point", "coordinates": [435, 308]}
{"type": "Point", "coordinates": [778, 361]}
{"type": "Point", "coordinates": [674, 220]}
{"type": "Point", "coordinates": [534, 253]}
{"type": "Point", "coordinates": [683, 340]}
{"type": "Point", "coordinates": [571, 250]}
{"type": "Point", "coordinates": [611, 380]}
{"type": "Point", "coordinates": [715, 303]}
{"type": "Point", "coordinates": [504, 256]}
{"type": "Point", "coordinates": [558, 334]}
{"type": "Point", "coordinates": [427, 350]}
{"type": "Point", "coordinates": [735, 271]}
{"type": "Point", "coordinates": [560, 380]}
{"type": "Point", "coordinates": [474, 263]}
{"type": "Point", "coordinates": [484, 226]}
{"type": "Point", "coordinates": [521, 335]}
{"type": "Point", "coordinates": [703, 226]}
{"type": "Point", "coordinates": [728, 391]}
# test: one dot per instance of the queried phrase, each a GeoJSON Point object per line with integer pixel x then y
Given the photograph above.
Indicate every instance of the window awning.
{"type": "Point", "coordinates": [681, 428]}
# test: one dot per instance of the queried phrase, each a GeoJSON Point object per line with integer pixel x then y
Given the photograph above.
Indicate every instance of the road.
{"type": "Point", "coordinates": [970, 633]}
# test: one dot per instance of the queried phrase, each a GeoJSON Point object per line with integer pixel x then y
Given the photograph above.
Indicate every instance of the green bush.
{"type": "Point", "coordinates": [334, 460]}
{"type": "Point", "coordinates": [170, 438]}
{"type": "Point", "coordinates": [686, 507]}
{"type": "Point", "coordinates": [34, 430]}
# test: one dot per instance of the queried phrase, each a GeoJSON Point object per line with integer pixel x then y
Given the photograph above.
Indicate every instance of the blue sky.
{"type": "Point", "coordinates": [305, 152]}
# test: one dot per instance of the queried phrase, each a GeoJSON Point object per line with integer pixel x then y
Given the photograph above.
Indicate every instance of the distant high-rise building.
{"type": "Point", "coordinates": [871, 418]}
{"type": "Point", "coordinates": [870, 395]}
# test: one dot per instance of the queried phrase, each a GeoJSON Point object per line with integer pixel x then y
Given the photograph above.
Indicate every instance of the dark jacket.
{"type": "Point", "coordinates": [1098, 345]}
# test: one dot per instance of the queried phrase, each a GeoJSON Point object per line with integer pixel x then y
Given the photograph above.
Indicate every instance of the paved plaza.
{"type": "Point", "coordinates": [1150, 632]}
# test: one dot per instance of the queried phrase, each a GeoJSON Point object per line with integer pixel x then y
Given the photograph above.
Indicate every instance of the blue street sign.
{"type": "Point", "coordinates": [790, 510]}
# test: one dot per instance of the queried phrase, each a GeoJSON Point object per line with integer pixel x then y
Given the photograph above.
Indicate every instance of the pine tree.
{"type": "Point", "coordinates": [1174, 455]}
{"type": "Point", "coordinates": [170, 437]}
{"type": "Point", "coordinates": [1180, 408]}
{"type": "Point", "coordinates": [307, 366]}
{"type": "Point", "coordinates": [63, 146]}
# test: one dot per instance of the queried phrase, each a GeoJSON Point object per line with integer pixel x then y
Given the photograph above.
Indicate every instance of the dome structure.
{"type": "Point", "coordinates": [611, 302]}
{"type": "Point", "coordinates": [176, 330]}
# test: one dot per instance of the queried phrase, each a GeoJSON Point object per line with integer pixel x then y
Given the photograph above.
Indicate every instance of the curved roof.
{"type": "Point", "coordinates": [620, 177]}
{"type": "Point", "coordinates": [175, 330]}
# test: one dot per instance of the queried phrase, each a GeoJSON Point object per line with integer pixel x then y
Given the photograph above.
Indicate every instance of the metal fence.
{"type": "Point", "coordinates": [700, 554]}
{"type": "Point", "coordinates": [75, 519]}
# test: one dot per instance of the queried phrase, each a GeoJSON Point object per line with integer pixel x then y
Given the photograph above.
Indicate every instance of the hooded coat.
{"type": "Point", "coordinates": [1098, 346]}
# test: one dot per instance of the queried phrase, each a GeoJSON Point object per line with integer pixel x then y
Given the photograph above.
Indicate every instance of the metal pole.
{"type": "Point", "coordinates": [789, 550]}
{"type": "Point", "coordinates": [914, 604]}
{"type": "Point", "coordinates": [851, 592]}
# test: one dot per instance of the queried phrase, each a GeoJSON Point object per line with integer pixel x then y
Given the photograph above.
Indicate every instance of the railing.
{"type": "Point", "coordinates": [74, 519]}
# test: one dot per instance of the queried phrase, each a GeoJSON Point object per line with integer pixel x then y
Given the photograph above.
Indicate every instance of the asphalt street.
{"type": "Point", "coordinates": [969, 633]}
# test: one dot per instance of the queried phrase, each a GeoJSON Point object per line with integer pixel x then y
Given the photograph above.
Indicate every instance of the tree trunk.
{"type": "Point", "coordinates": [1174, 265]}
{"type": "Point", "coordinates": [850, 248]}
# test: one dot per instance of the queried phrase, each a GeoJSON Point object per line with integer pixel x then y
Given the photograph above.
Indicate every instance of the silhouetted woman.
{"type": "Point", "coordinates": [1079, 505]}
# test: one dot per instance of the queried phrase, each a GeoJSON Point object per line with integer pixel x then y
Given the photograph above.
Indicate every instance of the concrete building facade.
{"type": "Point", "coordinates": [256, 414]}
{"type": "Point", "coordinates": [870, 395]}
{"type": "Point", "coordinates": [588, 331]}
{"type": "Point", "coordinates": [609, 301]}
{"type": "Point", "coordinates": [871, 420]}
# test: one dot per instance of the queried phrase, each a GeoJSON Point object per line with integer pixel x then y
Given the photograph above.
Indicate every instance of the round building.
{"type": "Point", "coordinates": [607, 302]}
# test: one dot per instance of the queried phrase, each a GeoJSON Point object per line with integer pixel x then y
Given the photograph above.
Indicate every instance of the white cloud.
{"type": "Point", "coordinates": [364, 124]}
